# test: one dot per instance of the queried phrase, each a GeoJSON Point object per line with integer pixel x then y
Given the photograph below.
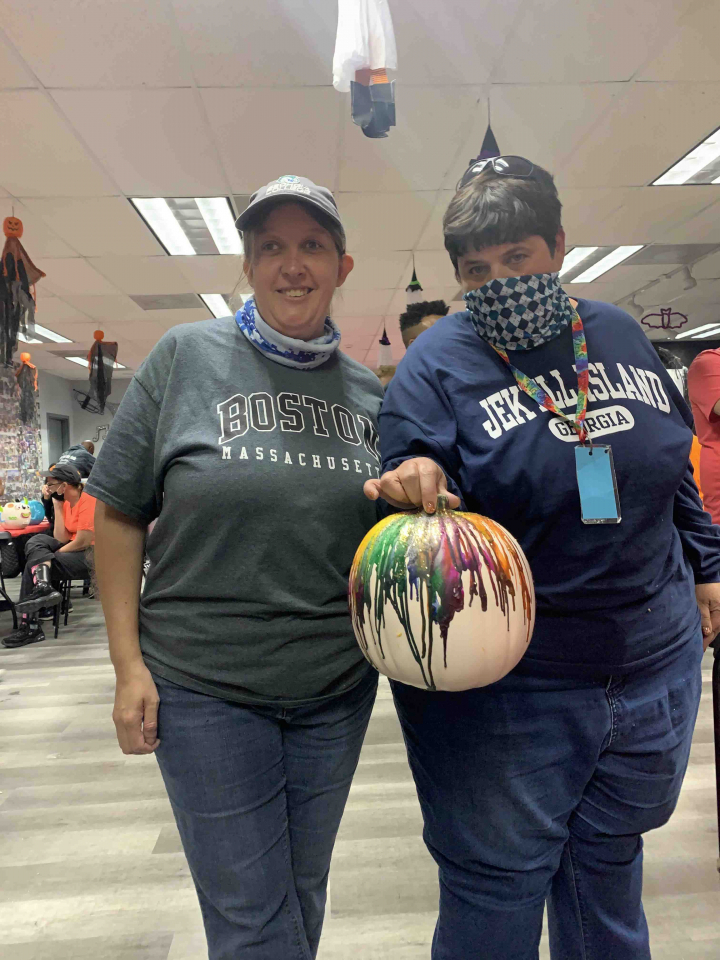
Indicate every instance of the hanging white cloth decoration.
{"type": "Point", "coordinates": [365, 40]}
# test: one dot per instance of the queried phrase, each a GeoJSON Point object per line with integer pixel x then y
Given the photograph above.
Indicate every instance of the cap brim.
{"type": "Point", "coordinates": [250, 211]}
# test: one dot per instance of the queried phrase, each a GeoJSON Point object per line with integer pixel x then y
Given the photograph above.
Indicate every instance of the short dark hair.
{"type": "Point", "coordinates": [490, 210]}
{"type": "Point", "coordinates": [257, 222]}
{"type": "Point", "coordinates": [418, 311]}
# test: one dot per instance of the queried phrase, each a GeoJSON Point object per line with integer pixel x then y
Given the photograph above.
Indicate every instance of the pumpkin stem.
{"type": "Point", "coordinates": [443, 504]}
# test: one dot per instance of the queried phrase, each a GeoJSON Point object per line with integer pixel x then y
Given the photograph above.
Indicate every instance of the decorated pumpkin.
{"type": "Point", "coordinates": [442, 601]}
{"type": "Point", "coordinates": [13, 227]}
{"type": "Point", "coordinates": [37, 511]}
{"type": "Point", "coordinates": [15, 515]}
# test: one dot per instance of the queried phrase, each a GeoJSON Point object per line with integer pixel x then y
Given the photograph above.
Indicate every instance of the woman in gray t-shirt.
{"type": "Point", "coordinates": [248, 440]}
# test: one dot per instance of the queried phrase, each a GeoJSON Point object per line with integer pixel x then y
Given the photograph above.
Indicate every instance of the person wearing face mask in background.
{"type": "Point", "coordinates": [64, 553]}
{"type": "Point", "coordinates": [539, 787]}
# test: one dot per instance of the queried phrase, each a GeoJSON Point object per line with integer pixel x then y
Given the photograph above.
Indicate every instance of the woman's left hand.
{"type": "Point", "coordinates": [708, 599]}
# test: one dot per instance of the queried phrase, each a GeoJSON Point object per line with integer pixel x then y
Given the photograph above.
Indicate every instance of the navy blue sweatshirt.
{"type": "Point", "coordinates": [610, 598]}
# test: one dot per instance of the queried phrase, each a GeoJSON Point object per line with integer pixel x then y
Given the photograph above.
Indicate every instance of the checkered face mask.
{"type": "Point", "coordinates": [519, 313]}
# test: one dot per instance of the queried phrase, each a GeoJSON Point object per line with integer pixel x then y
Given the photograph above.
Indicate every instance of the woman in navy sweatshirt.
{"type": "Point", "coordinates": [539, 787]}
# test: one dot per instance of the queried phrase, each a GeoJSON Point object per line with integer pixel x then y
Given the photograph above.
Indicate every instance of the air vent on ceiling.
{"type": "Point", "coordinates": [670, 253]}
{"type": "Point", "coordinates": [169, 301]}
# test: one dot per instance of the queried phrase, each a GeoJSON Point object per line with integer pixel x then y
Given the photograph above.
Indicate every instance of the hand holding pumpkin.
{"type": "Point", "coordinates": [415, 483]}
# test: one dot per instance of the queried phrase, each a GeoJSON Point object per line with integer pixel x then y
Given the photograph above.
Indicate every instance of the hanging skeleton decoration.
{"type": "Point", "coordinates": [26, 375]}
{"type": "Point", "coordinates": [18, 276]}
{"type": "Point", "coordinates": [101, 359]}
{"type": "Point", "coordinates": [364, 51]}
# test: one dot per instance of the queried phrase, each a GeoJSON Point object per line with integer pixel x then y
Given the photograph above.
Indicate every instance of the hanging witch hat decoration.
{"type": "Point", "coordinates": [26, 375]}
{"type": "Point", "coordinates": [413, 290]}
{"type": "Point", "coordinates": [489, 146]}
{"type": "Point", "coordinates": [385, 357]}
{"type": "Point", "coordinates": [18, 276]}
{"type": "Point", "coordinates": [101, 359]}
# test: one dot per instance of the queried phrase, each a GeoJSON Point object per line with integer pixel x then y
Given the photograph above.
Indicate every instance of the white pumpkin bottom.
{"type": "Point", "coordinates": [482, 646]}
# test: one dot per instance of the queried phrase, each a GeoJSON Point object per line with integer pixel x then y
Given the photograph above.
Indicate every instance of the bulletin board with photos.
{"type": "Point", "coordinates": [20, 445]}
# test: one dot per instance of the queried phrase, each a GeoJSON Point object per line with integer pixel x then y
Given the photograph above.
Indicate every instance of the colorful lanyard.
{"type": "Point", "coordinates": [534, 390]}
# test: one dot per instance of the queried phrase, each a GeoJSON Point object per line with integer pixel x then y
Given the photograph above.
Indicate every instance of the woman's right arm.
{"type": "Point", "coordinates": [119, 551]}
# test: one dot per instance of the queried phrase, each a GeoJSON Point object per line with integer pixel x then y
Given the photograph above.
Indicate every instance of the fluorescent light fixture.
{"type": "Point", "coordinates": [216, 304]}
{"type": "Point", "coordinates": [576, 256]}
{"type": "Point", "coordinates": [696, 330]}
{"type": "Point", "coordinates": [191, 226]}
{"type": "Point", "coordinates": [220, 222]}
{"type": "Point", "coordinates": [708, 333]}
{"type": "Point", "coordinates": [162, 221]}
{"type": "Point", "coordinates": [82, 361]}
{"type": "Point", "coordinates": [24, 339]}
{"type": "Point", "coordinates": [613, 258]}
{"type": "Point", "coordinates": [50, 334]}
{"type": "Point", "coordinates": [692, 165]}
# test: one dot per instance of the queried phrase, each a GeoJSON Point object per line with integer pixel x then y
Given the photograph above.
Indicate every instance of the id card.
{"type": "Point", "coordinates": [599, 501]}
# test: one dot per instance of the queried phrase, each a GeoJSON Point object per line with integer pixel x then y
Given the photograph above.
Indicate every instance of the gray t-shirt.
{"type": "Point", "coordinates": [255, 473]}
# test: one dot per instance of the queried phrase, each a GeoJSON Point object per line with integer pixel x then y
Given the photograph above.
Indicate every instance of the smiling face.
{"type": "Point", "coordinates": [294, 271]}
{"type": "Point", "coordinates": [528, 256]}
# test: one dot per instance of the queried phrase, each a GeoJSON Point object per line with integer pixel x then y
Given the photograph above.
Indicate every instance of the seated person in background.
{"type": "Point", "coordinates": [47, 500]}
{"type": "Point", "coordinates": [704, 389]}
{"type": "Point", "coordinates": [81, 457]}
{"type": "Point", "coordinates": [61, 556]}
{"type": "Point", "coordinates": [419, 317]}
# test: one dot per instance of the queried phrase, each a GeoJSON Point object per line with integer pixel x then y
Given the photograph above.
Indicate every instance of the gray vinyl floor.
{"type": "Point", "coordinates": [91, 864]}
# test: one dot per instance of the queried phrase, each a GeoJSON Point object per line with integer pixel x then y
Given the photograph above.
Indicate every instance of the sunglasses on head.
{"type": "Point", "coordinates": [503, 166]}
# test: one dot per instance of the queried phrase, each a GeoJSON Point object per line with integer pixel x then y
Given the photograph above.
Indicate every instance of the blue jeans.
{"type": "Point", "coordinates": [258, 793]}
{"type": "Point", "coordinates": [539, 789]}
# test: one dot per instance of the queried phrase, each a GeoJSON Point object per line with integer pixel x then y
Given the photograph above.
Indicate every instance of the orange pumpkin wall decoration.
{"type": "Point", "coordinates": [13, 227]}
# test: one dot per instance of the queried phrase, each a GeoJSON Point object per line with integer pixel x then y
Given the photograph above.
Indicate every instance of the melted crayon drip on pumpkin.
{"type": "Point", "coordinates": [423, 557]}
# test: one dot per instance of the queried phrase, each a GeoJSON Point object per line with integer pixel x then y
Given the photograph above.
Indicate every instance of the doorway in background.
{"type": "Point", "coordinates": [58, 432]}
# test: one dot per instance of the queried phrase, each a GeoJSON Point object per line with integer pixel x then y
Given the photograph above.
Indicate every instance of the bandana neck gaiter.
{"type": "Point", "coordinates": [519, 313]}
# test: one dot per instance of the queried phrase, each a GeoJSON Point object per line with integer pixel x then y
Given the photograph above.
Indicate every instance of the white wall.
{"type": "Point", "coordinates": [55, 397]}
{"type": "Point", "coordinates": [88, 426]}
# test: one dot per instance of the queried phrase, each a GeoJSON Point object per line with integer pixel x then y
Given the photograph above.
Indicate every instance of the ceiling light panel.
{"type": "Point", "coordinates": [82, 362]}
{"type": "Point", "coordinates": [575, 257]}
{"type": "Point", "coordinates": [607, 262]}
{"type": "Point", "coordinates": [700, 165]}
{"type": "Point", "coordinates": [23, 339]}
{"type": "Point", "coordinates": [216, 304]}
{"type": "Point", "coordinates": [50, 334]}
{"type": "Point", "coordinates": [697, 331]}
{"type": "Point", "coordinates": [190, 226]}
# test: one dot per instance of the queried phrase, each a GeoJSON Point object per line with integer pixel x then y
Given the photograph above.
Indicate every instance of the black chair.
{"type": "Point", "coordinates": [64, 587]}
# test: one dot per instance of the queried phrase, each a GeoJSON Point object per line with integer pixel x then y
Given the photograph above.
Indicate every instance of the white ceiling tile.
{"type": "Point", "coordinates": [384, 221]}
{"type": "Point", "coordinates": [79, 333]}
{"type": "Point", "coordinates": [453, 42]}
{"type": "Point", "coordinates": [645, 131]}
{"type": "Point", "coordinates": [96, 44]}
{"type": "Point", "coordinates": [434, 269]}
{"type": "Point", "coordinates": [263, 134]}
{"type": "Point", "coordinates": [118, 307]}
{"type": "Point", "coordinates": [691, 52]}
{"type": "Point", "coordinates": [417, 156]}
{"type": "Point", "coordinates": [353, 303]}
{"type": "Point", "coordinates": [708, 268]}
{"type": "Point", "coordinates": [616, 283]}
{"type": "Point", "coordinates": [97, 226]}
{"type": "Point", "coordinates": [382, 272]}
{"type": "Point", "coordinates": [577, 43]}
{"type": "Point", "coordinates": [143, 275]}
{"type": "Point", "coordinates": [38, 239]}
{"type": "Point", "coordinates": [44, 159]}
{"type": "Point", "coordinates": [153, 142]}
{"type": "Point", "coordinates": [702, 228]}
{"type": "Point", "coordinates": [219, 274]}
{"type": "Point", "coordinates": [172, 318]}
{"type": "Point", "coordinates": [647, 213]}
{"type": "Point", "coordinates": [52, 310]}
{"type": "Point", "coordinates": [123, 331]}
{"type": "Point", "coordinates": [13, 73]}
{"type": "Point", "coordinates": [432, 234]}
{"type": "Point", "coordinates": [543, 122]}
{"type": "Point", "coordinates": [276, 43]}
{"type": "Point", "coordinates": [74, 276]}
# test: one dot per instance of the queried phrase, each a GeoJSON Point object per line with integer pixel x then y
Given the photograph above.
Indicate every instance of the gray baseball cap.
{"type": "Point", "coordinates": [299, 188]}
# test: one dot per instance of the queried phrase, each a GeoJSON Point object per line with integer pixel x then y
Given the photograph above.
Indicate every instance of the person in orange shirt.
{"type": "Point", "coordinates": [704, 391]}
{"type": "Point", "coordinates": [63, 554]}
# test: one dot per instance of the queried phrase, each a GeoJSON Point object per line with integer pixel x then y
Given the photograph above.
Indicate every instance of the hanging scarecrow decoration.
{"type": "Point", "coordinates": [364, 51]}
{"type": "Point", "coordinates": [26, 375]}
{"type": "Point", "coordinates": [18, 276]}
{"type": "Point", "coordinates": [101, 359]}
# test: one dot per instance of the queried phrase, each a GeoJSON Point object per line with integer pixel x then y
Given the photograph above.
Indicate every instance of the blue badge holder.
{"type": "Point", "coordinates": [599, 501]}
